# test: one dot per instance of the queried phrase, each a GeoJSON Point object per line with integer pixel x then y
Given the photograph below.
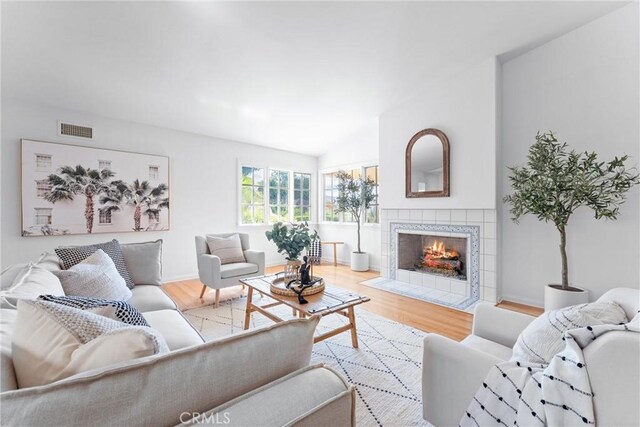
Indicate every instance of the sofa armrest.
{"type": "Point", "coordinates": [157, 390]}
{"type": "Point", "coordinates": [612, 363]}
{"type": "Point", "coordinates": [499, 325]}
{"type": "Point", "coordinates": [256, 257]}
{"type": "Point", "coordinates": [209, 269]}
{"type": "Point", "coordinates": [451, 375]}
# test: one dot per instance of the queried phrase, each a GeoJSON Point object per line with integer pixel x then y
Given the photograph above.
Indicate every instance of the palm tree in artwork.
{"type": "Point", "coordinates": [156, 203]}
{"type": "Point", "coordinates": [140, 195]}
{"type": "Point", "coordinates": [70, 182]}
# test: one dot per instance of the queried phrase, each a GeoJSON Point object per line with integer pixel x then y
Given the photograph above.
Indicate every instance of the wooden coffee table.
{"type": "Point", "coordinates": [331, 300]}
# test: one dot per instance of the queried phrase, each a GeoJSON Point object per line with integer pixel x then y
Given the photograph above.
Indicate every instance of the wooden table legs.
{"type": "Point", "coordinates": [247, 314]}
{"type": "Point", "coordinates": [335, 250]}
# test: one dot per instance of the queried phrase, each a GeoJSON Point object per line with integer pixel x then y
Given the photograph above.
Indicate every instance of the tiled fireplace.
{"type": "Point", "coordinates": [443, 256]}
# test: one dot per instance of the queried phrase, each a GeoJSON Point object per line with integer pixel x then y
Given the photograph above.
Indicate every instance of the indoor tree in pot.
{"type": "Point", "coordinates": [292, 241]}
{"type": "Point", "coordinates": [554, 183]}
{"type": "Point", "coordinates": [355, 196]}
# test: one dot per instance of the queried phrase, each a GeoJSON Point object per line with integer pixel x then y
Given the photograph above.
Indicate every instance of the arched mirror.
{"type": "Point", "coordinates": [427, 164]}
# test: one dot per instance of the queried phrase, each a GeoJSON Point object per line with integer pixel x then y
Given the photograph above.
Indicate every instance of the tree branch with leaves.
{"type": "Point", "coordinates": [557, 181]}
{"type": "Point", "coordinates": [355, 196]}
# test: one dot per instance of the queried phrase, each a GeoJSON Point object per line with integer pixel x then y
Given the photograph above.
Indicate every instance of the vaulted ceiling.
{"type": "Point", "coordinates": [292, 75]}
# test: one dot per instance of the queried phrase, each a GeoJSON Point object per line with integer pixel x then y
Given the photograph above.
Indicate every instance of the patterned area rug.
{"type": "Point", "coordinates": [386, 370]}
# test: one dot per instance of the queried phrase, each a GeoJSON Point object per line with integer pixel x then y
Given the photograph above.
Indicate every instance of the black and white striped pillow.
{"type": "Point", "coordinates": [315, 252]}
{"type": "Point", "coordinates": [116, 310]}
{"type": "Point", "coordinates": [72, 255]}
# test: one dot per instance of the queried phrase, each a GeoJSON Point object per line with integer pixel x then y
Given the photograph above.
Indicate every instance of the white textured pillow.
{"type": "Point", "coordinates": [95, 277]}
{"type": "Point", "coordinates": [51, 342]}
{"type": "Point", "coordinates": [31, 281]}
{"type": "Point", "coordinates": [544, 337]}
{"type": "Point", "coordinates": [228, 249]}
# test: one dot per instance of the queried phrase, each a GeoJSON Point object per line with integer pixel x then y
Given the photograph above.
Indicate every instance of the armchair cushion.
{"type": "Point", "coordinates": [544, 337]}
{"type": "Point", "coordinates": [237, 269]}
{"type": "Point", "coordinates": [486, 346]}
{"type": "Point", "coordinates": [228, 249]}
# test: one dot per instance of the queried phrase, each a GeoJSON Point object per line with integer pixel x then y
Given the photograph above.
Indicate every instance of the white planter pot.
{"type": "Point", "coordinates": [359, 262]}
{"type": "Point", "coordinates": [555, 297]}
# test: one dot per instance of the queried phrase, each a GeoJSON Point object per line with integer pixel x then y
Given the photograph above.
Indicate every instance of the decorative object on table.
{"type": "Point", "coordinates": [69, 189]}
{"type": "Point", "coordinates": [292, 240]}
{"type": "Point", "coordinates": [554, 183]}
{"type": "Point", "coordinates": [427, 164]}
{"type": "Point", "coordinates": [282, 287]}
{"type": "Point", "coordinates": [355, 196]}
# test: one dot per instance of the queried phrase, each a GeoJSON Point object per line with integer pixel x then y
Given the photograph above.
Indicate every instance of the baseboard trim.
{"type": "Point", "coordinates": [519, 300]}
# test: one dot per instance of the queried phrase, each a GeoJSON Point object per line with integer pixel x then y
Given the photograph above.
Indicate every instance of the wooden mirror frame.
{"type": "Point", "coordinates": [445, 164]}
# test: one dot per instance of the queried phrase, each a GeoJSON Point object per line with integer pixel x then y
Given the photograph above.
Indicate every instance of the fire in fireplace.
{"type": "Point", "coordinates": [440, 259]}
{"type": "Point", "coordinates": [440, 255]}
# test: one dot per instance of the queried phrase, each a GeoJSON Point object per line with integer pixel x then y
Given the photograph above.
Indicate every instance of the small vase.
{"type": "Point", "coordinates": [292, 270]}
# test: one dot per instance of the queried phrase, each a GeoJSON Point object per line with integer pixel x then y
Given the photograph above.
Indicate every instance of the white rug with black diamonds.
{"type": "Point", "coordinates": [386, 370]}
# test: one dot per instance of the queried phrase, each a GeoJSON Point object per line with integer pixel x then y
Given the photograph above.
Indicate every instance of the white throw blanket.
{"type": "Point", "coordinates": [525, 394]}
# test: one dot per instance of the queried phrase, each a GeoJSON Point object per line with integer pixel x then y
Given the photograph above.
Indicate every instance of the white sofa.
{"type": "Point", "coordinates": [452, 371]}
{"type": "Point", "coordinates": [260, 377]}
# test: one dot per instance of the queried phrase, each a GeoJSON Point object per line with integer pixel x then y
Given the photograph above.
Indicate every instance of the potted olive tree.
{"type": "Point", "coordinates": [292, 241]}
{"type": "Point", "coordinates": [355, 196]}
{"type": "Point", "coordinates": [554, 183]}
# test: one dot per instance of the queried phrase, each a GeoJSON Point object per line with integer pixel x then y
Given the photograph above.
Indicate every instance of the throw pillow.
{"type": "Point", "coordinates": [95, 277]}
{"type": "Point", "coordinates": [116, 310]}
{"type": "Point", "coordinates": [228, 249]}
{"type": "Point", "coordinates": [144, 262]}
{"type": "Point", "coordinates": [544, 337]}
{"type": "Point", "coordinates": [30, 281]}
{"type": "Point", "coordinates": [72, 255]}
{"type": "Point", "coordinates": [53, 341]}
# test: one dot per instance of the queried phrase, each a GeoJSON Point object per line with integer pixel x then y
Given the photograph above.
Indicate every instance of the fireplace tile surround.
{"type": "Point", "coordinates": [449, 292]}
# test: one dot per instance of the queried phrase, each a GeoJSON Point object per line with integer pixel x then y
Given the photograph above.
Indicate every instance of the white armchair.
{"type": "Point", "coordinates": [452, 371]}
{"type": "Point", "coordinates": [215, 275]}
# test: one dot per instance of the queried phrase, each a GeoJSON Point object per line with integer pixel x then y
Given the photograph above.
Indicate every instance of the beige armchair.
{"type": "Point", "coordinates": [216, 275]}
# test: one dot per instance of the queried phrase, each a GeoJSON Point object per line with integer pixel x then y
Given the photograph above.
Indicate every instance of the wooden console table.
{"type": "Point", "coordinates": [335, 252]}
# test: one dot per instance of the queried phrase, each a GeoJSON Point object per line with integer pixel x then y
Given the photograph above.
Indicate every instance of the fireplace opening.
{"type": "Point", "coordinates": [439, 255]}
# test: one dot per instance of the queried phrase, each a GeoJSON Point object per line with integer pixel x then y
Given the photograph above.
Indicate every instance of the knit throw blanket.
{"type": "Point", "coordinates": [525, 394]}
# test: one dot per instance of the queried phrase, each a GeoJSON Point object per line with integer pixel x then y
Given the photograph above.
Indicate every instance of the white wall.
{"type": "Point", "coordinates": [584, 86]}
{"type": "Point", "coordinates": [359, 149]}
{"type": "Point", "coordinates": [204, 180]}
{"type": "Point", "coordinates": [464, 108]}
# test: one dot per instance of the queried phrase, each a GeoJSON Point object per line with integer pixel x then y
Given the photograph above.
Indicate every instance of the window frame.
{"type": "Point", "coordinates": [266, 187]}
{"type": "Point", "coordinates": [341, 216]}
{"type": "Point", "coordinates": [108, 215]}
{"type": "Point", "coordinates": [156, 171]}
{"type": "Point", "coordinates": [38, 214]}
{"type": "Point", "coordinates": [49, 163]}
{"type": "Point", "coordinates": [302, 206]}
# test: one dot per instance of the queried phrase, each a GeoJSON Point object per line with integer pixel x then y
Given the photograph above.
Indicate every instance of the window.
{"type": "Point", "coordinates": [373, 213]}
{"type": "Point", "coordinates": [347, 216]}
{"type": "Point", "coordinates": [104, 217]}
{"type": "Point", "coordinates": [252, 197]}
{"type": "Point", "coordinates": [106, 164]}
{"type": "Point", "coordinates": [43, 186]}
{"type": "Point", "coordinates": [330, 196]}
{"type": "Point", "coordinates": [43, 216]}
{"type": "Point", "coordinates": [301, 196]}
{"type": "Point", "coordinates": [330, 189]}
{"type": "Point", "coordinates": [154, 172]}
{"type": "Point", "coordinates": [278, 195]}
{"type": "Point", "coordinates": [43, 162]}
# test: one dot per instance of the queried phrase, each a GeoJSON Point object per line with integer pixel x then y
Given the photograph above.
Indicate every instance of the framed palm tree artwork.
{"type": "Point", "coordinates": [71, 189]}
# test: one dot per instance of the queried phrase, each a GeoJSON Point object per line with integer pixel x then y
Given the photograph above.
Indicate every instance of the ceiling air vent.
{"type": "Point", "coordinates": [78, 131]}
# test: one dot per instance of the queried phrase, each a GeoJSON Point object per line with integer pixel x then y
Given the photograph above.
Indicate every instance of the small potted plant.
{"type": "Point", "coordinates": [355, 196]}
{"type": "Point", "coordinates": [292, 240]}
{"type": "Point", "coordinates": [554, 183]}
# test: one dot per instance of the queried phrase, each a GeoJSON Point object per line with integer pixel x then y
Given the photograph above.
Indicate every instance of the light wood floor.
{"type": "Point", "coordinates": [418, 314]}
